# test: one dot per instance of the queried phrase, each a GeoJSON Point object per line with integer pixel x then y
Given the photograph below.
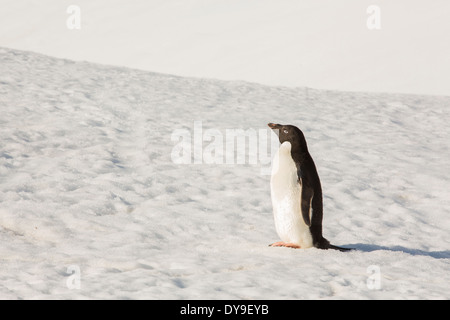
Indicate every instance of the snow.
{"type": "Point", "coordinates": [92, 205]}
{"type": "Point", "coordinates": [322, 44]}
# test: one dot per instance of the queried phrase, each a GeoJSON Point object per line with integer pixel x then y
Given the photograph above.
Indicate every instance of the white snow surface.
{"type": "Point", "coordinates": [323, 44]}
{"type": "Point", "coordinates": [87, 180]}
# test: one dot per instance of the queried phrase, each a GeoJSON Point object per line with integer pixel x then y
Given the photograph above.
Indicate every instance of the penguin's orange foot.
{"type": "Point", "coordinates": [285, 244]}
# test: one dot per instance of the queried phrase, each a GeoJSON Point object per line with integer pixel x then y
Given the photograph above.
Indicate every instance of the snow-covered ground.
{"type": "Point", "coordinates": [323, 44]}
{"type": "Point", "coordinates": [92, 204]}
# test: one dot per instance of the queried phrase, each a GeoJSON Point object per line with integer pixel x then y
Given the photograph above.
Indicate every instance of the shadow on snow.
{"type": "Point", "coordinates": [415, 252]}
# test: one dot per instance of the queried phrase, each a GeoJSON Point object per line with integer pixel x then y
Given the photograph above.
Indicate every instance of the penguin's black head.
{"type": "Point", "coordinates": [292, 134]}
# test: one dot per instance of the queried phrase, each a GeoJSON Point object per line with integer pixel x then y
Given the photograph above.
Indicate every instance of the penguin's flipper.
{"type": "Point", "coordinates": [306, 199]}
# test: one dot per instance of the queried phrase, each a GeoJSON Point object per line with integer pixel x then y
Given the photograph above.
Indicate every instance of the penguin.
{"type": "Point", "coordinates": [296, 193]}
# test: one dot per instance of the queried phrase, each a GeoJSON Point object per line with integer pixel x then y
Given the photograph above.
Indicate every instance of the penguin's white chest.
{"type": "Point", "coordinates": [286, 198]}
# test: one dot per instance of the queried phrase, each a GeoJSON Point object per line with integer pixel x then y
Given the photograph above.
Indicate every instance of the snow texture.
{"type": "Point", "coordinates": [323, 44]}
{"type": "Point", "coordinates": [87, 183]}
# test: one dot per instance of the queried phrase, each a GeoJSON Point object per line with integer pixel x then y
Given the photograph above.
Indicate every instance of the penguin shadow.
{"type": "Point", "coordinates": [414, 252]}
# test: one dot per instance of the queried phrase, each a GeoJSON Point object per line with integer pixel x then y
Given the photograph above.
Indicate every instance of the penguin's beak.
{"type": "Point", "coordinates": [274, 126]}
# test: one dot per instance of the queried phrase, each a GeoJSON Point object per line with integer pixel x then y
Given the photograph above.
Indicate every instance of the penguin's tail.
{"type": "Point", "coordinates": [330, 246]}
{"type": "Point", "coordinates": [325, 244]}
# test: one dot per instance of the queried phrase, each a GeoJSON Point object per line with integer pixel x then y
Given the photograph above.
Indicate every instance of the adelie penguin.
{"type": "Point", "coordinates": [296, 193]}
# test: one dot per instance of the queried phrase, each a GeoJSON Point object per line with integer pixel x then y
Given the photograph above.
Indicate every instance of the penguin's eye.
{"type": "Point", "coordinates": [285, 131]}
